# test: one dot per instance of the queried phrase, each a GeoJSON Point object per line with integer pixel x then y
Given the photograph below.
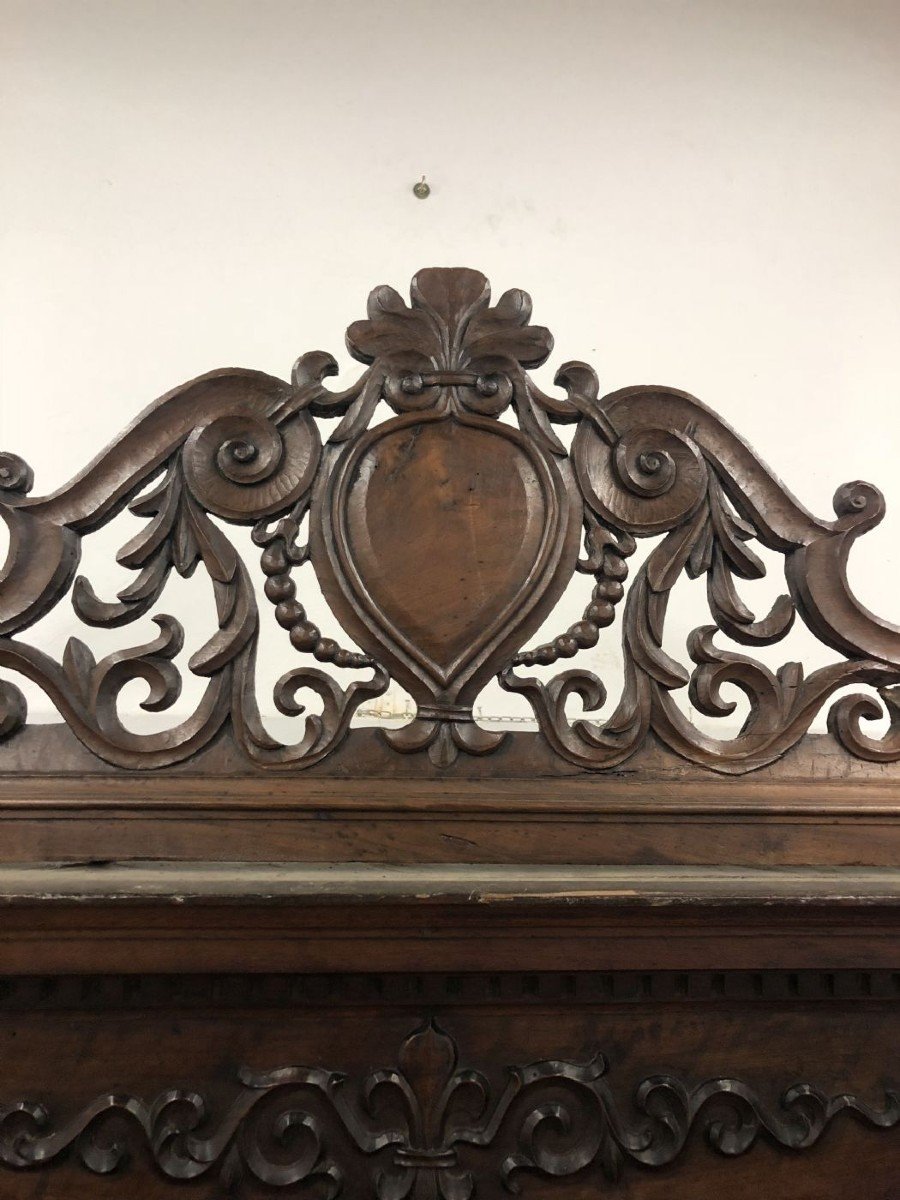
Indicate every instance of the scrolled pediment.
{"type": "Point", "coordinates": [442, 537]}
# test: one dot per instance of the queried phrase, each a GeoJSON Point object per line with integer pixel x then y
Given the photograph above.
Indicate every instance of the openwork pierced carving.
{"type": "Point", "coordinates": [409, 1131]}
{"type": "Point", "coordinates": [442, 537]}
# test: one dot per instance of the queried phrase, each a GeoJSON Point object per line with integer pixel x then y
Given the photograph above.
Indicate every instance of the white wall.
{"type": "Point", "coordinates": [698, 193]}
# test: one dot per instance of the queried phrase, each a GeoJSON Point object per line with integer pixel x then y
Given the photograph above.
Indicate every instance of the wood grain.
{"type": "Point", "coordinates": [618, 956]}
{"type": "Point", "coordinates": [442, 538]}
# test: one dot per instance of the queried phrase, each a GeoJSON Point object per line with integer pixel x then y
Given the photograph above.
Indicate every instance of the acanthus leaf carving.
{"type": "Point", "coordinates": [442, 536]}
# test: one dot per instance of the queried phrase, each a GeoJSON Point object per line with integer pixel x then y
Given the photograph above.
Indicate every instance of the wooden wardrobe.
{"type": "Point", "coordinates": [614, 956]}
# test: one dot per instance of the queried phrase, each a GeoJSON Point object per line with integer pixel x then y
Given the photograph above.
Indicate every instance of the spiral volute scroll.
{"type": "Point", "coordinates": [859, 505]}
{"type": "Point", "coordinates": [243, 466]}
{"type": "Point", "coordinates": [15, 474]}
{"type": "Point", "coordinates": [647, 482]}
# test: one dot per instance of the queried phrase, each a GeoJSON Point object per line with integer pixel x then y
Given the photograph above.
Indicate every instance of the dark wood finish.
{"type": "Point", "coordinates": [522, 804]}
{"type": "Point", "coordinates": [293, 917]}
{"type": "Point", "coordinates": [447, 1086]}
{"type": "Point", "coordinates": [442, 538]}
{"type": "Point", "coordinates": [434, 1127]}
{"type": "Point", "coordinates": [614, 958]}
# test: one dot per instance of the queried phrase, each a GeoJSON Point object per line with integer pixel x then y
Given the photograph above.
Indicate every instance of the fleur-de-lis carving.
{"type": "Point", "coordinates": [425, 1165]}
{"type": "Point", "coordinates": [408, 1131]}
{"type": "Point", "coordinates": [449, 326]}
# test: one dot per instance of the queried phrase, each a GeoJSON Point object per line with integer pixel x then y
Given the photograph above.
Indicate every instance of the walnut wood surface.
{"type": "Point", "coordinates": [210, 1086]}
{"type": "Point", "coordinates": [213, 917]}
{"type": "Point", "coordinates": [442, 537]}
{"type": "Point", "coordinates": [617, 957]}
{"type": "Point", "coordinates": [466, 883]}
{"type": "Point", "coordinates": [816, 806]}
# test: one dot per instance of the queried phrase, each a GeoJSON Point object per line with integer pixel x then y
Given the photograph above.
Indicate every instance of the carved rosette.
{"type": "Point", "coordinates": [411, 1131]}
{"type": "Point", "coordinates": [442, 535]}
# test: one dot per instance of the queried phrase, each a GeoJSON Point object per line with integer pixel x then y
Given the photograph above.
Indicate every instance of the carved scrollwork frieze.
{"type": "Point", "coordinates": [442, 536]}
{"type": "Point", "coordinates": [410, 1131]}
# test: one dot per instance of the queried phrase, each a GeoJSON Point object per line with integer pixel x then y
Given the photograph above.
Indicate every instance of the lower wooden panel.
{"type": "Point", "coordinates": [667, 1084]}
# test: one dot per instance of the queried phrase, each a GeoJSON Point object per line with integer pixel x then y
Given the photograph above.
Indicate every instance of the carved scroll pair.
{"type": "Point", "coordinates": [411, 1129]}
{"type": "Point", "coordinates": [442, 538]}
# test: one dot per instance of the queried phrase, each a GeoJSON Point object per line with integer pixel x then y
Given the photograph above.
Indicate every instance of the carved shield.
{"type": "Point", "coordinates": [441, 540]}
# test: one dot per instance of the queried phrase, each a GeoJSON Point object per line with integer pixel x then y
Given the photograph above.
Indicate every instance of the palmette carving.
{"type": "Point", "coordinates": [442, 537]}
{"type": "Point", "coordinates": [409, 1131]}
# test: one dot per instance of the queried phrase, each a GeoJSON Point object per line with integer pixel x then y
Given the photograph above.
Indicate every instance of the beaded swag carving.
{"type": "Point", "coordinates": [442, 538]}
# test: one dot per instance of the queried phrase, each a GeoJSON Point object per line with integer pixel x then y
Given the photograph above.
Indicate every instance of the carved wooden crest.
{"type": "Point", "coordinates": [442, 537]}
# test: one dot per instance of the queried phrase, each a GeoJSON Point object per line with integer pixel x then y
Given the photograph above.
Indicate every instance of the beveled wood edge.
{"type": "Point", "coordinates": [181, 795]}
{"type": "Point", "coordinates": [49, 798]}
{"type": "Point", "coordinates": [161, 917]}
{"type": "Point", "coordinates": [44, 767]}
{"type": "Point", "coordinates": [113, 883]}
